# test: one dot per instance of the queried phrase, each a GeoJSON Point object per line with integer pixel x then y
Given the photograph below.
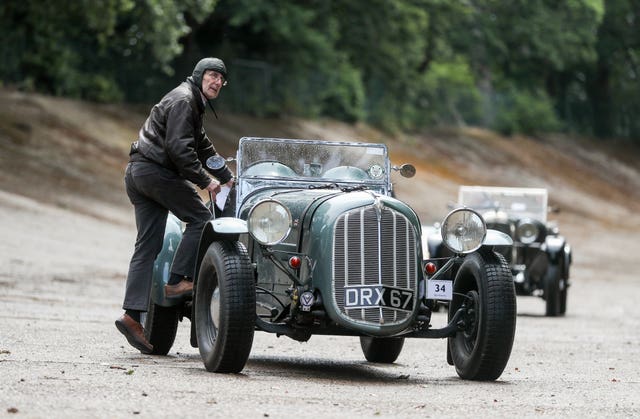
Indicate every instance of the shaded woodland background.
{"type": "Point", "coordinates": [519, 66]}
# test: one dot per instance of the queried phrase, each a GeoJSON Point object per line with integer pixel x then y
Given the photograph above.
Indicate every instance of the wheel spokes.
{"type": "Point", "coordinates": [471, 320]}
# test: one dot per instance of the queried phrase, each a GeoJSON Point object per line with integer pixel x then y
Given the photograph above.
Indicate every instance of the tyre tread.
{"type": "Point", "coordinates": [499, 340]}
{"type": "Point", "coordinates": [495, 344]}
{"type": "Point", "coordinates": [161, 327]}
{"type": "Point", "coordinates": [235, 333]}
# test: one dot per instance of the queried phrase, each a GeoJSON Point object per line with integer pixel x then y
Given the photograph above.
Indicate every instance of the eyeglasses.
{"type": "Point", "coordinates": [212, 74]}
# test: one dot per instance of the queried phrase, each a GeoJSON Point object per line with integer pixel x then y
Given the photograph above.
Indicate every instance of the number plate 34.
{"type": "Point", "coordinates": [439, 290]}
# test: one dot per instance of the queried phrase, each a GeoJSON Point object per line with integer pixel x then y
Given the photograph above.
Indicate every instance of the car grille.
{"type": "Point", "coordinates": [374, 247]}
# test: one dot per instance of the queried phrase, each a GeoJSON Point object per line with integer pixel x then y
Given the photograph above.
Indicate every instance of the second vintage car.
{"type": "Point", "coordinates": [312, 242]}
{"type": "Point", "coordinates": [540, 257]}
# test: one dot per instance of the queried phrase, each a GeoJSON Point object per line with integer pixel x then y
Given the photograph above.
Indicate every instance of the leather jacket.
{"type": "Point", "coordinates": [173, 136]}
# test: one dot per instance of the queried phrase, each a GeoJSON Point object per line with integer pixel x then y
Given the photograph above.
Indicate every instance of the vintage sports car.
{"type": "Point", "coordinates": [311, 242]}
{"type": "Point", "coordinates": [540, 257]}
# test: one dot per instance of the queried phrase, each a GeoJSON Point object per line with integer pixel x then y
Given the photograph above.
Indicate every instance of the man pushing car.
{"type": "Point", "coordinates": [165, 162]}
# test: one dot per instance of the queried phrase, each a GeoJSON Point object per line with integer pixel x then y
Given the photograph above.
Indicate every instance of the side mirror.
{"type": "Point", "coordinates": [406, 170]}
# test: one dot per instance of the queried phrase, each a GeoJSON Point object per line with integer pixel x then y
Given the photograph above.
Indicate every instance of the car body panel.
{"type": "Point", "coordinates": [162, 264]}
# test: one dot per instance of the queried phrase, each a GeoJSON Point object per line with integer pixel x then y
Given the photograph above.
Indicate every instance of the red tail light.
{"type": "Point", "coordinates": [295, 262]}
{"type": "Point", "coordinates": [430, 268]}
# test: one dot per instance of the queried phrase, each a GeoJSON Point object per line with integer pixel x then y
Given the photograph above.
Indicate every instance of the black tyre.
{"type": "Point", "coordinates": [564, 285]}
{"type": "Point", "coordinates": [563, 296]}
{"type": "Point", "coordinates": [160, 326]}
{"type": "Point", "coordinates": [225, 307]}
{"type": "Point", "coordinates": [381, 350]}
{"type": "Point", "coordinates": [552, 291]}
{"type": "Point", "coordinates": [484, 288]}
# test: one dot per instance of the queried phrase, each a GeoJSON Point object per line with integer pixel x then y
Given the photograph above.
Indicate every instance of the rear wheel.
{"type": "Point", "coordinates": [225, 307]}
{"type": "Point", "coordinates": [381, 350]}
{"type": "Point", "coordinates": [160, 326]}
{"type": "Point", "coordinates": [552, 292]}
{"type": "Point", "coordinates": [484, 291]}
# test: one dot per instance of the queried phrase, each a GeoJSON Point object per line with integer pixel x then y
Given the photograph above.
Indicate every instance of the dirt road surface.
{"type": "Point", "coordinates": [60, 355]}
{"type": "Point", "coordinates": [66, 235]}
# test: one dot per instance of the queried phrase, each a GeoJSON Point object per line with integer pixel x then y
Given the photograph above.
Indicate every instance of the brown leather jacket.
{"type": "Point", "coordinates": [173, 136]}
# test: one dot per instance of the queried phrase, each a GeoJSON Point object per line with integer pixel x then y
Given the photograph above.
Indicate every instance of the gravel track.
{"type": "Point", "coordinates": [61, 288]}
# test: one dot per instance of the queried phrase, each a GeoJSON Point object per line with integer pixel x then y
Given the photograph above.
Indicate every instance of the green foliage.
{"type": "Point", "coordinates": [289, 59]}
{"type": "Point", "coordinates": [344, 97]}
{"type": "Point", "coordinates": [523, 112]}
{"type": "Point", "coordinates": [526, 66]}
{"type": "Point", "coordinates": [612, 85]}
{"type": "Point", "coordinates": [89, 49]}
{"type": "Point", "coordinates": [447, 95]}
{"type": "Point", "coordinates": [385, 40]}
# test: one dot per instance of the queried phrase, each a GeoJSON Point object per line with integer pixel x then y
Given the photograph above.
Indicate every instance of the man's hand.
{"type": "Point", "coordinates": [230, 183]}
{"type": "Point", "coordinates": [213, 187]}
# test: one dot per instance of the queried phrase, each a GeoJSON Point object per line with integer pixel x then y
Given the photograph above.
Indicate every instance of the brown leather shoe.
{"type": "Point", "coordinates": [183, 288]}
{"type": "Point", "coordinates": [134, 333]}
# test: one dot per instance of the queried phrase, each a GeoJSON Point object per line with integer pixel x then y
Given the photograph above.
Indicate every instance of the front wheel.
{"type": "Point", "coordinates": [225, 307]}
{"type": "Point", "coordinates": [484, 291]}
{"type": "Point", "coordinates": [381, 350]}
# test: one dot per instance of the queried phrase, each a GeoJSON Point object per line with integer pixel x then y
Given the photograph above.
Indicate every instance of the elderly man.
{"type": "Point", "coordinates": [165, 162]}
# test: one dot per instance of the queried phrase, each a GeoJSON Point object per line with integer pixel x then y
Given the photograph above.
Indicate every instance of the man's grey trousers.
{"type": "Point", "coordinates": [154, 191]}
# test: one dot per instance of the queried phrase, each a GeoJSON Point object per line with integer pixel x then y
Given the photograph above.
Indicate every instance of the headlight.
{"type": "Point", "coordinates": [527, 231]}
{"type": "Point", "coordinates": [463, 230]}
{"type": "Point", "coordinates": [269, 222]}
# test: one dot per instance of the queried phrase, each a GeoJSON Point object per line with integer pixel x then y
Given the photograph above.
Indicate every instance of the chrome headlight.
{"type": "Point", "coordinates": [463, 230]}
{"type": "Point", "coordinates": [527, 231]}
{"type": "Point", "coordinates": [269, 222]}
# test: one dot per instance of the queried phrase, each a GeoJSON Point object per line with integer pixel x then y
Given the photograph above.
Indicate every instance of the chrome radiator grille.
{"type": "Point", "coordinates": [375, 247]}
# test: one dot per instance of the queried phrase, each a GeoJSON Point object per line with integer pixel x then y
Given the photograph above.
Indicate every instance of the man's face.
{"type": "Point", "coordinates": [212, 82]}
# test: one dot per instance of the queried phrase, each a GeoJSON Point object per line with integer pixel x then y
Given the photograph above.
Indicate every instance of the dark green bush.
{"type": "Point", "coordinates": [523, 112]}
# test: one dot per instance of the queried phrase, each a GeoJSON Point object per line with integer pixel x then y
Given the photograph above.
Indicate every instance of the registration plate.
{"type": "Point", "coordinates": [366, 296]}
{"type": "Point", "coordinates": [439, 290]}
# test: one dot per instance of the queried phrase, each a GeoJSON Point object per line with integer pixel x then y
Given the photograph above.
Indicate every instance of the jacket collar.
{"type": "Point", "coordinates": [201, 100]}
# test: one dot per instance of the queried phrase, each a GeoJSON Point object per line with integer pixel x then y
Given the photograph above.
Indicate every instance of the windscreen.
{"type": "Point", "coordinates": [313, 160]}
{"type": "Point", "coordinates": [516, 202]}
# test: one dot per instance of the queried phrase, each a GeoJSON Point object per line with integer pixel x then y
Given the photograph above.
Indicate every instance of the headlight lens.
{"type": "Point", "coordinates": [527, 231]}
{"type": "Point", "coordinates": [269, 222]}
{"type": "Point", "coordinates": [463, 230]}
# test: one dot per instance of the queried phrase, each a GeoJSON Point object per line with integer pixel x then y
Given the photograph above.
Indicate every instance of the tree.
{"type": "Point", "coordinates": [612, 83]}
{"type": "Point", "coordinates": [89, 49]}
{"type": "Point", "coordinates": [519, 66]}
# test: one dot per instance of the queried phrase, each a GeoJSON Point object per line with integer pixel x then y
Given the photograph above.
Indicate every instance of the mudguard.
{"type": "Point", "coordinates": [567, 261]}
{"type": "Point", "coordinates": [162, 264]}
{"type": "Point", "coordinates": [554, 246]}
{"type": "Point", "coordinates": [497, 238]}
{"type": "Point", "coordinates": [223, 228]}
{"type": "Point", "coordinates": [229, 225]}
{"type": "Point", "coordinates": [494, 238]}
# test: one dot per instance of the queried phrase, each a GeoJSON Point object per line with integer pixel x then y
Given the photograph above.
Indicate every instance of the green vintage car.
{"type": "Point", "coordinates": [311, 241]}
